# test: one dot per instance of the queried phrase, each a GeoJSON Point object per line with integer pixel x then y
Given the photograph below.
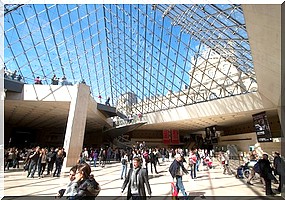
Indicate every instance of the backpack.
{"type": "Point", "coordinates": [280, 166]}
{"type": "Point", "coordinates": [146, 157]}
{"type": "Point", "coordinates": [171, 170]}
{"type": "Point", "coordinates": [124, 162]}
{"type": "Point", "coordinates": [256, 168]}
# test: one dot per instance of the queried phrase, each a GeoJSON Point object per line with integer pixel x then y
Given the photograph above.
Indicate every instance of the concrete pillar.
{"type": "Point", "coordinates": [75, 129]}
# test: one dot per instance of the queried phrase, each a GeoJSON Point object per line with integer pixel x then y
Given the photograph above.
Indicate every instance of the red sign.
{"type": "Point", "coordinates": [175, 137]}
{"type": "Point", "coordinates": [166, 137]}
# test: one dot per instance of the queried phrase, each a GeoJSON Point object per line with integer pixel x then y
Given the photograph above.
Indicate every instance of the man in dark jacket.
{"type": "Point", "coordinates": [152, 156]}
{"type": "Point", "coordinates": [51, 157]}
{"type": "Point", "coordinates": [176, 170]}
{"type": "Point", "coordinates": [266, 173]}
{"type": "Point", "coordinates": [136, 180]}
{"type": "Point", "coordinates": [279, 169]}
{"type": "Point", "coordinates": [34, 157]}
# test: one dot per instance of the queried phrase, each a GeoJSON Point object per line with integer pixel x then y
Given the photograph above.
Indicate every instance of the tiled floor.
{"type": "Point", "coordinates": [208, 183]}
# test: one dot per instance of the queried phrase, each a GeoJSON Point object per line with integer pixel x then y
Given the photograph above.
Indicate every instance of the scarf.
{"type": "Point", "coordinates": [134, 179]}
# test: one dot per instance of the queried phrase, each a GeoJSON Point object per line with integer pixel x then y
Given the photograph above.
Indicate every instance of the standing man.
{"type": "Point", "coordinates": [153, 160]}
{"type": "Point", "coordinates": [124, 162]}
{"type": "Point", "coordinates": [266, 173]}
{"type": "Point", "coordinates": [107, 103]}
{"type": "Point", "coordinates": [279, 169]}
{"type": "Point", "coordinates": [34, 157]}
{"type": "Point", "coordinates": [136, 179]}
{"type": "Point", "coordinates": [226, 163]}
{"type": "Point", "coordinates": [177, 170]}
{"type": "Point", "coordinates": [51, 157]}
{"type": "Point", "coordinates": [84, 155]}
{"type": "Point", "coordinates": [198, 159]}
{"type": "Point", "coordinates": [192, 164]}
{"type": "Point", "coordinates": [163, 154]}
{"type": "Point", "coordinates": [146, 160]}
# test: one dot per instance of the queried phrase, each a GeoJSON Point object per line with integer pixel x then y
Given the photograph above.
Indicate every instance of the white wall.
{"type": "Point", "coordinates": [243, 145]}
{"type": "Point", "coordinates": [224, 106]}
{"type": "Point", "coordinates": [44, 93]}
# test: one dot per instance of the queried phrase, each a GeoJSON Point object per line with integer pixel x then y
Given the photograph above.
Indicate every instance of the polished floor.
{"type": "Point", "coordinates": [209, 183]}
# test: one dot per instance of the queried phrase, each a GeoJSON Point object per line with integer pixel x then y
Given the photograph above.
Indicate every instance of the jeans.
{"type": "Point", "coordinates": [41, 168]}
{"type": "Point", "coordinates": [57, 170]}
{"type": "Point", "coordinates": [227, 168]}
{"type": "Point", "coordinates": [180, 186]}
{"type": "Point", "coordinates": [50, 167]}
{"type": "Point", "coordinates": [154, 165]}
{"type": "Point", "coordinates": [268, 189]}
{"type": "Point", "coordinates": [281, 182]}
{"type": "Point", "coordinates": [124, 170]}
{"type": "Point", "coordinates": [8, 164]}
{"type": "Point", "coordinates": [193, 171]}
{"type": "Point", "coordinates": [197, 164]}
{"type": "Point", "coordinates": [32, 168]}
{"type": "Point", "coordinates": [95, 160]}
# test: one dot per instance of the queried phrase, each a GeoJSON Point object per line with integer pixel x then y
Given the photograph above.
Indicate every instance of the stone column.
{"type": "Point", "coordinates": [75, 129]}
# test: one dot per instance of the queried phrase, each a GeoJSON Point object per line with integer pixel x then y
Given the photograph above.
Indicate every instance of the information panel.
{"type": "Point", "coordinates": [262, 128]}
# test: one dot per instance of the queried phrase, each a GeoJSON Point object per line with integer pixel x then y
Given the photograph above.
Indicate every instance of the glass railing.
{"type": "Point", "coordinates": [130, 120]}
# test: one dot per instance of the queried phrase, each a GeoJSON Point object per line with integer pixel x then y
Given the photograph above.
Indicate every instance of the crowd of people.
{"type": "Point", "coordinates": [266, 171]}
{"type": "Point", "coordinates": [35, 160]}
{"type": "Point", "coordinates": [136, 165]}
{"type": "Point", "coordinates": [53, 81]}
{"type": "Point", "coordinates": [12, 75]}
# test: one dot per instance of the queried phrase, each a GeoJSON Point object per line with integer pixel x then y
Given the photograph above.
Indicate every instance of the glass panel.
{"type": "Point", "coordinates": [145, 57]}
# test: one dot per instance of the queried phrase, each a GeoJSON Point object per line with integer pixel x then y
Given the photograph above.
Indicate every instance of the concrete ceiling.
{"type": "Point", "coordinates": [197, 125]}
{"type": "Point", "coordinates": [45, 115]}
{"type": "Point", "coordinates": [32, 114]}
{"type": "Point", "coordinates": [53, 115]}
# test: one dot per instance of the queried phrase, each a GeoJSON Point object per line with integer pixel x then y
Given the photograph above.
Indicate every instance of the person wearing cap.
{"type": "Point", "coordinates": [266, 173]}
{"type": "Point", "coordinates": [177, 170]}
{"type": "Point", "coordinates": [279, 169]}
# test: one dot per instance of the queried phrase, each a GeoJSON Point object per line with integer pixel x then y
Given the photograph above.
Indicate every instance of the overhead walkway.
{"type": "Point", "coordinates": [13, 85]}
{"type": "Point", "coordinates": [109, 111]}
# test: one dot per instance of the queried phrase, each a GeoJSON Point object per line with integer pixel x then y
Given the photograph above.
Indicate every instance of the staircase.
{"type": "Point", "coordinates": [122, 142]}
{"type": "Point", "coordinates": [114, 132]}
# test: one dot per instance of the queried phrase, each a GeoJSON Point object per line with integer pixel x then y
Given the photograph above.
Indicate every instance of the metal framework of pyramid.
{"type": "Point", "coordinates": [146, 58]}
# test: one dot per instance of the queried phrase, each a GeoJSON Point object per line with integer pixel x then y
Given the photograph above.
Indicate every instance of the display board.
{"type": "Point", "coordinates": [261, 127]}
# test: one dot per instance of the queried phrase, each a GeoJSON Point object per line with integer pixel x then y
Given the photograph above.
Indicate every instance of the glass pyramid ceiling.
{"type": "Point", "coordinates": [146, 58]}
